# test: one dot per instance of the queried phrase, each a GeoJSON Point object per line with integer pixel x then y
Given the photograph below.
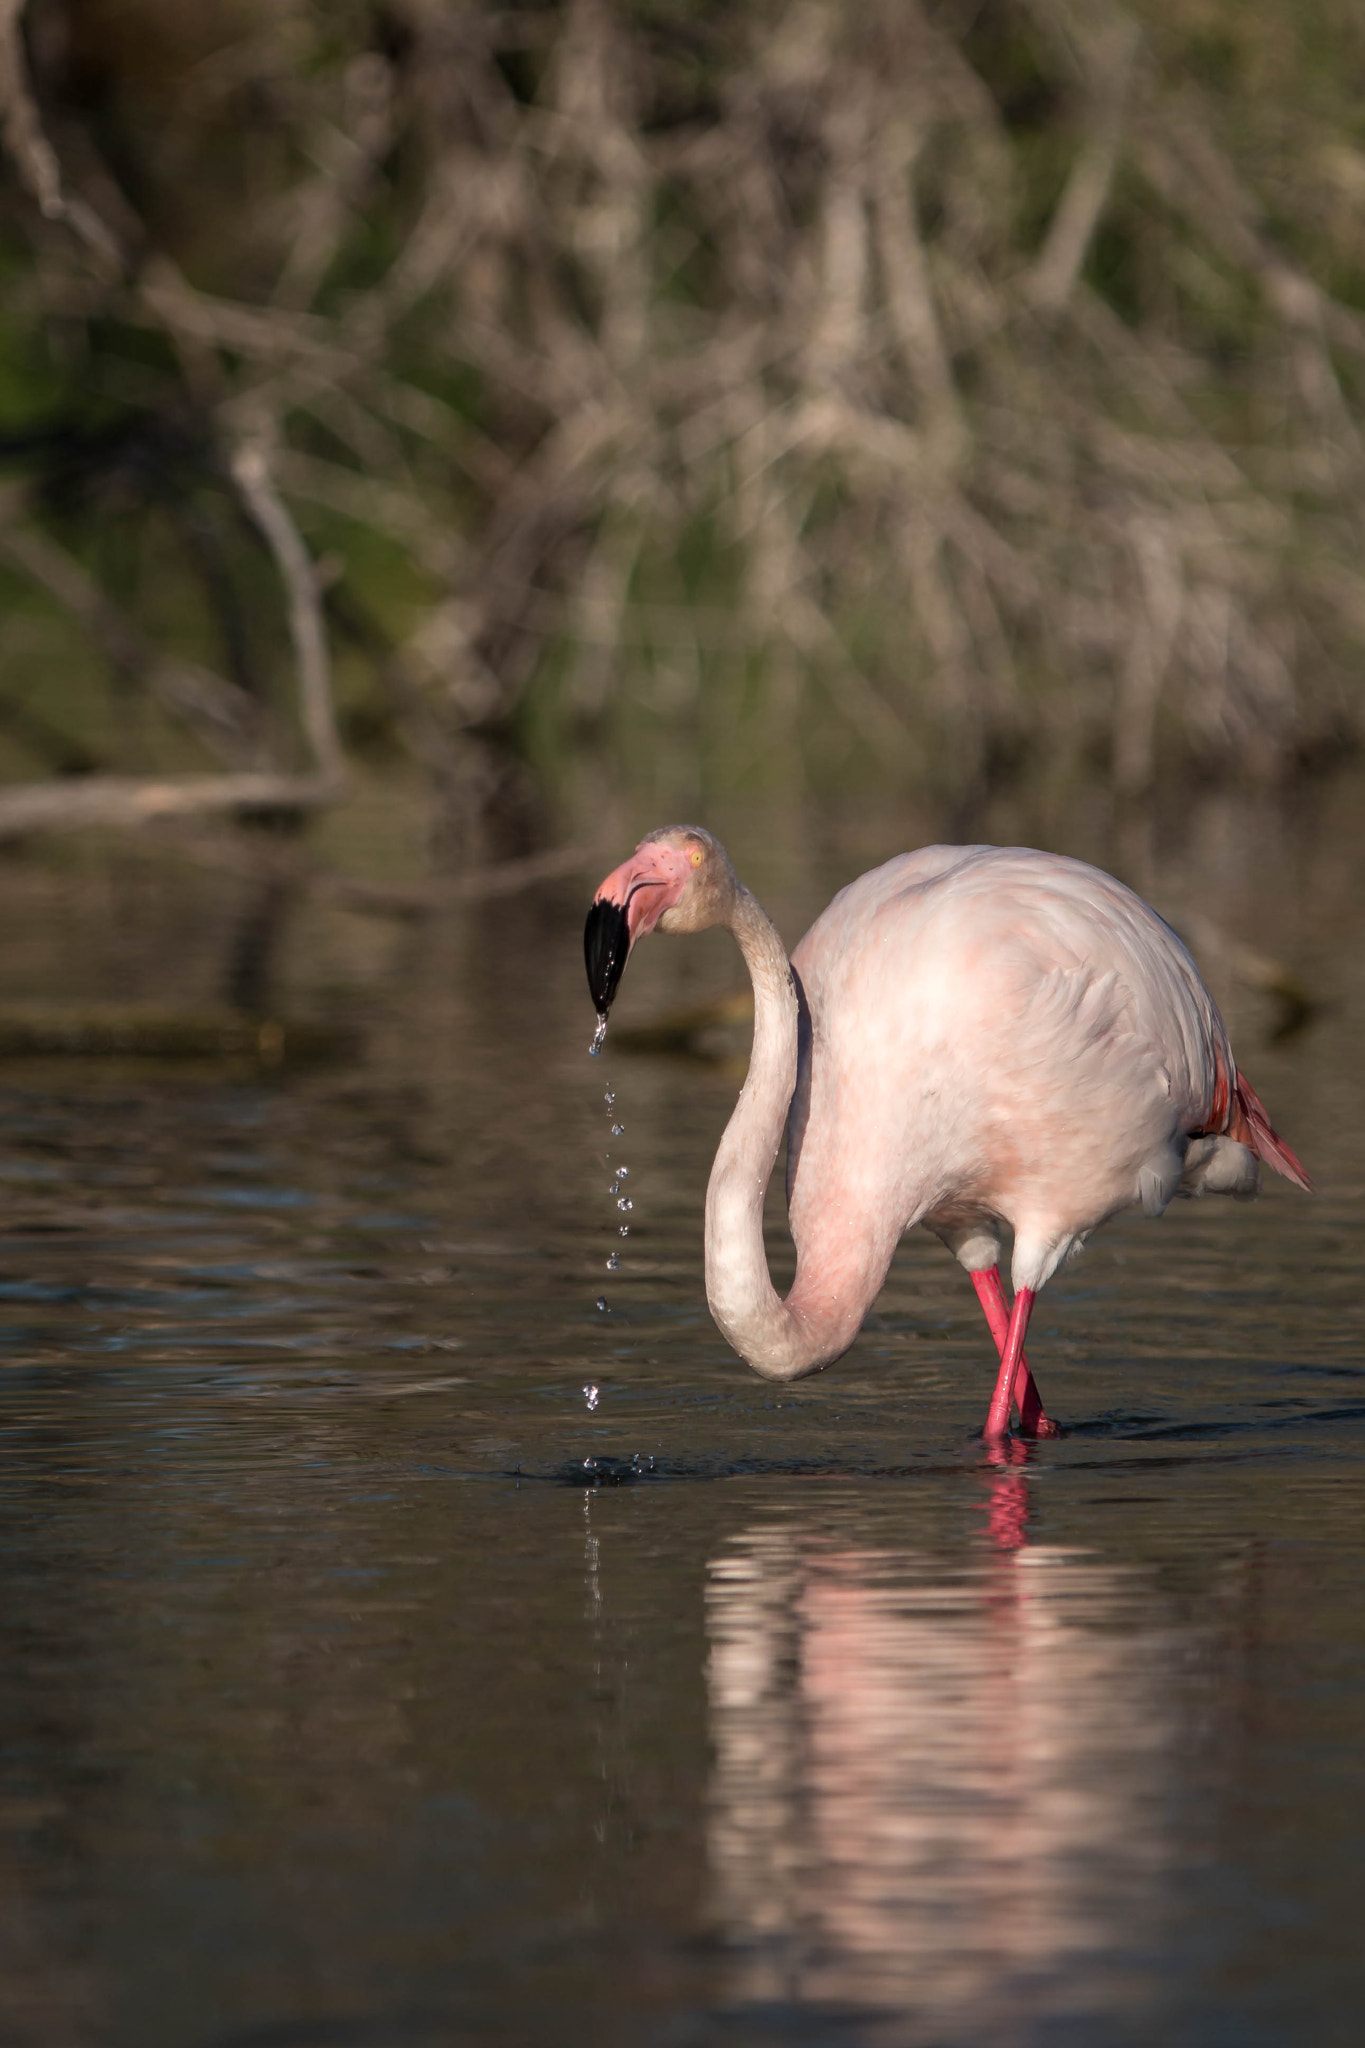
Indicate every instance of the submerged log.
{"type": "Point", "coordinates": [127, 1031]}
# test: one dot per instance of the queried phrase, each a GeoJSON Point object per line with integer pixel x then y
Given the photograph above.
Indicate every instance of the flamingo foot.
{"type": "Point", "coordinates": [1033, 1422]}
{"type": "Point", "coordinates": [998, 1420]}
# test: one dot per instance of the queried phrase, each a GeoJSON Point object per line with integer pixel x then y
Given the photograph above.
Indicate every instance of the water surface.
{"type": "Point", "coordinates": [362, 1684]}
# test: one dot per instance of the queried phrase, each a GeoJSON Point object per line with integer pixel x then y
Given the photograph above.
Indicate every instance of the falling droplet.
{"type": "Point", "coordinates": [613, 1262]}
{"type": "Point", "coordinates": [602, 1308]}
{"type": "Point", "coordinates": [618, 1130]}
{"type": "Point", "coordinates": [598, 1035]}
{"type": "Point", "coordinates": [609, 1097]}
{"type": "Point", "coordinates": [624, 1204]}
{"type": "Point", "coordinates": [625, 1230]}
{"type": "Point", "coordinates": [592, 1395]}
{"type": "Point", "coordinates": [622, 1172]}
{"type": "Point", "coordinates": [615, 1188]}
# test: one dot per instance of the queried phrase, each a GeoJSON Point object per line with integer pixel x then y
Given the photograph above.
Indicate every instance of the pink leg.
{"type": "Point", "coordinates": [991, 1295]}
{"type": "Point", "coordinates": [998, 1421]}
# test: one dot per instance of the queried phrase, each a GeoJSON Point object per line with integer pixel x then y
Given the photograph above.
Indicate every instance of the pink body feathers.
{"type": "Point", "coordinates": [999, 1035]}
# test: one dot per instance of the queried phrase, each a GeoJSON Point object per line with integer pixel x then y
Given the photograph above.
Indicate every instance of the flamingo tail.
{"type": "Point", "coordinates": [1251, 1127]}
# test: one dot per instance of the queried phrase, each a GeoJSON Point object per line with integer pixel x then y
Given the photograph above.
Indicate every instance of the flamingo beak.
{"type": "Point", "coordinates": [606, 944]}
{"type": "Point", "coordinates": [628, 904]}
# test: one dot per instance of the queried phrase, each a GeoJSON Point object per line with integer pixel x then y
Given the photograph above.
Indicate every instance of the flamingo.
{"type": "Point", "coordinates": [968, 1037]}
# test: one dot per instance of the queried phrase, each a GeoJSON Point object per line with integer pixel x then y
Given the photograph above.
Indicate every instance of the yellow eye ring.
{"type": "Point", "coordinates": [695, 856]}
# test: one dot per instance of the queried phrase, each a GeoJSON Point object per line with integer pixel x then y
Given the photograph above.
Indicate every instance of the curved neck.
{"type": "Point", "coordinates": [779, 1339]}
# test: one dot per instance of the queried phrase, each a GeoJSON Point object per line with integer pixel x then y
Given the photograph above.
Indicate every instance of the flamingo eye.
{"type": "Point", "coordinates": [695, 856]}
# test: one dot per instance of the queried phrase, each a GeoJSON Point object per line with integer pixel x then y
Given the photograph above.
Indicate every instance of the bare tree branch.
{"type": "Point", "coordinates": [911, 296]}
{"type": "Point", "coordinates": [33, 155]}
{"type": "Point", "coordinates": [82, 802]}
{"type": "Point", "coordinates": [307, 629]}
{"type": "Point", "coordinates": [1086, 193]}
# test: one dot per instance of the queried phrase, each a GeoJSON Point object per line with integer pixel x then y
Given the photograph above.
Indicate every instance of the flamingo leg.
{"type": "Point", "coordinates": [991, 1295]}
{"type": "Point", "coordinates": [998, 1421]}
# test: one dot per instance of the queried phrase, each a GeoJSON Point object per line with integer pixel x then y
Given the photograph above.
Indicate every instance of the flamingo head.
{"type": "Point", "coordinates": [677, 880]}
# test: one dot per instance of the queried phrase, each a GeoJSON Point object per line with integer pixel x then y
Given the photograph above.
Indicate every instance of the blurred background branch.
{"type": "Point", "coordinates": [917, 392]}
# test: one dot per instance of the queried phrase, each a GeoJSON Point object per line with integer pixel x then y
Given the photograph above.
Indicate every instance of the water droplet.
{"type": "Point", "coordinates": [622, 1172]}
{"type": "Point", "coordinates": [609, 1097]}
{"type": "Point", "coordinates": [602, 1308]}
{"type": "Point", "coordinates": [618, 1130]}
{"type": "Point", "coordinates": [615, 1188]}
{"type": "Point", "coordinates": [598, 1035]}
{"type": "Point", "coordinates": [592, 1396]}
{"type": "Point", "coordinates": [624, 1204]}
{"type": "Point", "coordinates": [613, 1262]}
{"type": "Point", "coordinates": [625, 1230]}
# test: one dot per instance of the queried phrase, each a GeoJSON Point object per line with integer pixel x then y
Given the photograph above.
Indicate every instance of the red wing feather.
{"type": "Point", "coordinates": [1250, 1126]}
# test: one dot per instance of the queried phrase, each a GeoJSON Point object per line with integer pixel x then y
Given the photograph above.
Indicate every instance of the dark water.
{"type": "Point", "coordinates": [345, 1698]}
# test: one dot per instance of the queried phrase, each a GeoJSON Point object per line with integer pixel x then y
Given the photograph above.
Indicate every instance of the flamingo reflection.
{"type": "Point", "coordinates": [942, 1790]}
{"type": "Point", "coordinates": [1007, 1513]}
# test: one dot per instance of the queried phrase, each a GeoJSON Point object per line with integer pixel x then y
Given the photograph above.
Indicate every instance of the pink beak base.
{"type": "Point", "coordinates": [646, 885]}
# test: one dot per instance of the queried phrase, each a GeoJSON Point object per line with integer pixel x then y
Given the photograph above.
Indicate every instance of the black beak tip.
{"type": "Point", "coordinates": [606, 942]}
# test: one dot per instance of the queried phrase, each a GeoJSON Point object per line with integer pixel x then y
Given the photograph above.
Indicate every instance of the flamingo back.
{"type": "Point", "coordinates": [1005, 1033]}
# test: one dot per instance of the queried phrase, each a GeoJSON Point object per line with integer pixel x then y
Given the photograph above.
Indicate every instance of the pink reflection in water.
{"type": "Point", "coordinates": [941, 1790]}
